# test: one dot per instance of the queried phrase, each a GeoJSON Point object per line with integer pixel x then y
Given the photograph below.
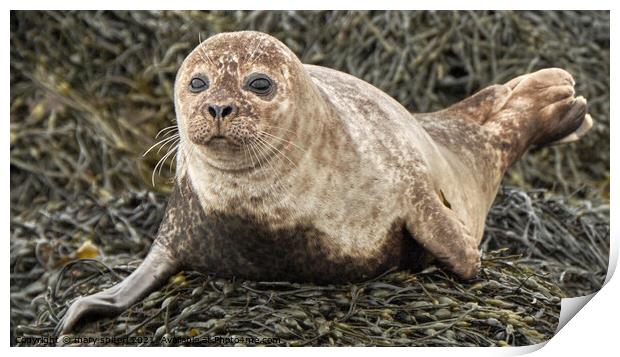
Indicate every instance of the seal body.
{"type": "Point", "coordinates": [345, 182]}
{"type": "Point", "coordinates": [297, 172]}
{"type": "Point", "coordinates": [338, 212]}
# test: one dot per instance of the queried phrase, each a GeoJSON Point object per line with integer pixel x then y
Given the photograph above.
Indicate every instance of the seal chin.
{"type": "Point", "coordinates": [221, 142]}
{"type": "Point", "coordinates": [222, 153]}
{"type": "Point", "coordinates": [228, 164]}
{"type": "Point", "coordinates": [216, 142]}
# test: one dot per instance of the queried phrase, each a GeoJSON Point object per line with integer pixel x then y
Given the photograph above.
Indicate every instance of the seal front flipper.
{"type": "Point", "coordinates": [156, 268]}
{"type": "Point", "coordinates": [437, 228]}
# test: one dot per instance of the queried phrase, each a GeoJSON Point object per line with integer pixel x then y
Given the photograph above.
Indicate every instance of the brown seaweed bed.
{"type": "Point", "coordinates": [538, 250]}
{"type": "Point", "coordinates": [89, 90]}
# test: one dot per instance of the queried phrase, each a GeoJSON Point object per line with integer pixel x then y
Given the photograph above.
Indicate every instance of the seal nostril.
{"type": "Point", "coordinates": [213, 110]}
{"type": "Point", "coordinates": [226, 110]}
{"type": "Point", "coordinates": [219, 112]}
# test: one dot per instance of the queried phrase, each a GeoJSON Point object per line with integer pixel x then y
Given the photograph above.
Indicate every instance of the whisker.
{"type": "Point", "coordinates": [280, 127]}
{"type": "Point", "coordinates": [245, 151]}
{"type": "Point", "coordinates": [161, 142]}
{"type": "Point", "coordinates": [275, 188]}
{"type": "Point", "coordinates": [263, 144]}
{"type": "Point", "coordinates": [172, 149]}
{"type": "Point", "coordinates": [264, 151]}
{"type": "Point", "coordinates": [276, 180]}
{"type": "Point", "coordinates": [176, 151]}
{"type": "Point", "coordinates": [203, 52]}
{"type": "Point", "coordinates": [160, 165]}
{"type": "Point", "coordinates": [260, 153]}
{"type": "Point", "coordinates": [207, 55]}
{"type": "Point", "coordinates": [278, 187]}
{"type": "Point", "coordinates": [173, 141]}
{"type": "Point", "coordinates": [253, 148]}
{"type": "Point", "coordinates": [169, 128]}
{"type": "Point", "coordinates": [163, 160]}
{"type": "Point", "coordinates": [252, 59]}
{"type": "Point", "coordinates": [271, 190]}
{"type": "Point", "coordinates": [281, 139]}
{"type": "Point", "coordinates": [276, 150]}
{"type": "Point", "coordinates": [173, 159]}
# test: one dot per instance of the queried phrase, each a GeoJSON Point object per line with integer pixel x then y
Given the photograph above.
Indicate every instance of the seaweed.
{"type": "Point", "coordinates": [91, 89]}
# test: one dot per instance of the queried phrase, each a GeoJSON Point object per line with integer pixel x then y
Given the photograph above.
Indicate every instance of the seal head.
{"type": "Point", "coordinates": [238, 89]}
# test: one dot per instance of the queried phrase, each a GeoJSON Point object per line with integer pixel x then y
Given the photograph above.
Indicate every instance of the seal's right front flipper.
{"type": "Point", "coordinates": [154, 271]}
{"type": "Point", "coordinates": [437, 228]}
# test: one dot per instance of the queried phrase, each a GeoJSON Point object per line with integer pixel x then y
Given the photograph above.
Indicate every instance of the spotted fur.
{"type": "Point", "coordinates": [360, 171]}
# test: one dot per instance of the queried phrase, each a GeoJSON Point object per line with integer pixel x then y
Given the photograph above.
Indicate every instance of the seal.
{"type": "Point", "coordinates": [297, 172]}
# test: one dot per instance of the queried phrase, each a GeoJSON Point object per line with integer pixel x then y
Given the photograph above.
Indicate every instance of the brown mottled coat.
{"type": "Point", "coordinates": [362, 177]}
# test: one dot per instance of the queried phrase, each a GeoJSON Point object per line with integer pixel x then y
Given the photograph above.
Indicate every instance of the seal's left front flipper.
{"type": "Point", "coordinates": [156, 268]}
{"type": "Point", "coordinates": [438, 229]}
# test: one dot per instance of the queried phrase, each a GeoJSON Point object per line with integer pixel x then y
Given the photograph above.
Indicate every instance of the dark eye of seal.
{"type": "Point", "coordinates": [259, 83]}
{"type": "Point", "coordinates": [198, 83]}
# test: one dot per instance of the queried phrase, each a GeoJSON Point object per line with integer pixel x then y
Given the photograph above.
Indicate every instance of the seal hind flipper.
{"type": "Point", "coordinates": [535, 109]}
{"type": "Point", "coordinates": [437, 229]}
{"type": "Point", "coordinates": [548, 100]}
{"type": "Point", "coordinates": [156, 268]}
{"type": "Point", "coordinates": [541, 110]}
{"type": "Point", "coordinates": [541, 103]}
{"type": "Point", "coordinates": [586, 125]}
{"type": "Point", "coordinates": [479, 107]}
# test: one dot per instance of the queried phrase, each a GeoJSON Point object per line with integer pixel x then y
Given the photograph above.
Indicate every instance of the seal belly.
{"type": "Point", "coordinates": [244, 248]}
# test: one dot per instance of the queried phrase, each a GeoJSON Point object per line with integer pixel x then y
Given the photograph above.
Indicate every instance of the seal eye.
{"type": "Point", "coordinates": [198, 84]}
{"type": "Point", "coordinates": [259, 83]}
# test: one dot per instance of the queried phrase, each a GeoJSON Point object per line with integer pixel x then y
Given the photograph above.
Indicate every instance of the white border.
{"type": "Point", "coordinates": [593, 330]}
{"type": "Point", "coordinates": [315, 5]}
